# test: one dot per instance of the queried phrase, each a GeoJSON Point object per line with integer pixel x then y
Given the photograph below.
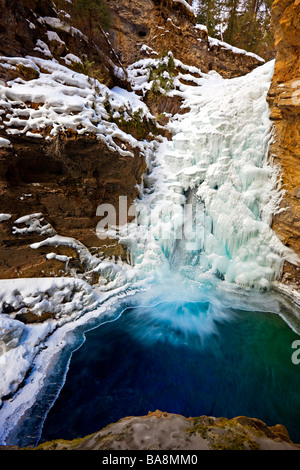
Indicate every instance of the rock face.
{"type": "Point", "coordinates": [64, 179]}
{"type": "Point", "coordinates": [284, 99]}
{"type": "Point", "coordinates": [164, 431]}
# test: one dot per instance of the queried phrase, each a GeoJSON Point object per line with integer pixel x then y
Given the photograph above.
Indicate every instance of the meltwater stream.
{"type": "Point", "coordinates": [210, 336]}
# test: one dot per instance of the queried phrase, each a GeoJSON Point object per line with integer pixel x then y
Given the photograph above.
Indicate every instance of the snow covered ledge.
{"type": "Point", "coordinates": [60, 300]}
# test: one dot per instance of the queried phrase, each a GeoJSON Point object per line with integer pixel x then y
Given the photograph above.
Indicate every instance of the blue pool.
{"type": "Point", "coordinates": [191, 358]}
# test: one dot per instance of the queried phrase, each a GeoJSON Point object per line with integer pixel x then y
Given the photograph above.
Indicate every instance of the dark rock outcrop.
{"type": "Point", "coordinates": [53, 178]}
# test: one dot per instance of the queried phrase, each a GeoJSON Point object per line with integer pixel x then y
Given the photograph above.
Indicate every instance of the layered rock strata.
{"type": "Point", "coordinates": [142, 27]}
{"type": "Point", "coordinates": [284, 99]}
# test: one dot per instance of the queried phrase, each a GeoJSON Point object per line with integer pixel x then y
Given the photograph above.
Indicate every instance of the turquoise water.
{"type": "Point", "coordinates": [191, 358]}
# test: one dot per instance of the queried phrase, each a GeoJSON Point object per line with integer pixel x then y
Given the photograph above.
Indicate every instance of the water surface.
{"type": "Point", "coordinates": [191, 358]}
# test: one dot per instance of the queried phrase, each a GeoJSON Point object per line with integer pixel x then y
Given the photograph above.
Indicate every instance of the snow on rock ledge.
{"type": "Point", "coordinates": [62, 299]}
{"type": "Point", "coordinates": [59, 99]}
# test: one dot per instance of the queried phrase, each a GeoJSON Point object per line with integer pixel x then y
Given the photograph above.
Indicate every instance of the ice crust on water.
{"type": "Point", "coordinates": [33, 223]}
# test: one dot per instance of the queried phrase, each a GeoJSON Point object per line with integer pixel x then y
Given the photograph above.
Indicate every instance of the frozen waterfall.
{"type": "Point", "coordinates": [210, 196]}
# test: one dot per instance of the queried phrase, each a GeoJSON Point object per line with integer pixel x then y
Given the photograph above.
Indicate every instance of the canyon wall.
{"type": "Point", "coordinates": [284, 99]}
{"type": "Point", "coordinates": [67, 188]}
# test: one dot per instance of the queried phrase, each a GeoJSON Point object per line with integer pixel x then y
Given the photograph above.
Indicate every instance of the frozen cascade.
{"type": "Point", "coordinates": [211, 194]}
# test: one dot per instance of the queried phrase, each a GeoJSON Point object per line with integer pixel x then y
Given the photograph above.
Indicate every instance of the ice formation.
{"type": "Point", "coordinates": [216, 167]}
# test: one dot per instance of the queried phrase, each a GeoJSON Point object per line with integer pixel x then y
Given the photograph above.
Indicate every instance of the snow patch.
{"type": "Point", "coordinates": [42, 47]}
{"type": "Point", "coordinates": [53, 36]}
{"type": "Point", "coordinates": [71, 58]}
{"type": "Point", "coordinates": [201, 27]}
{"type": "Point", "coordinates": [189, 7]}
{"type": "Point", "coordinates": [216, 42]}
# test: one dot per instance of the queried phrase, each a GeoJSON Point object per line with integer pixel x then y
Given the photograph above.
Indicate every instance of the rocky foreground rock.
{"type": "Point", "coordinates": [167, 431]}
{"type": "Point", "coordinates": [284, 100]}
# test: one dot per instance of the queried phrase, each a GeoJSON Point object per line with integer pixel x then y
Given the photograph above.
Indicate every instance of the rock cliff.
{"type": "Point", "coordinates": [60, 159]}
{"type": "Point", "coordinates": [142, 27]}
{"type": "Point", "coordinates": [284, 99]}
